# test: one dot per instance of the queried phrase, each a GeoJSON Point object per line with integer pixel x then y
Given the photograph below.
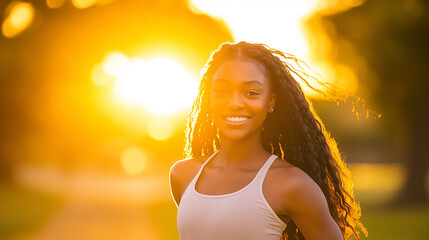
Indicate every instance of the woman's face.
{"type": "Point", "coordinates": [240, 99]}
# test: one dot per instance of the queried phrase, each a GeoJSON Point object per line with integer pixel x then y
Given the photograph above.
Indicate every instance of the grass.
{"type": "Point", "coordinates": [384, 222]}
{"type": "Point", "coordinates": [405, 223]}
{"type": "Point", "coordinates": [23, 209]}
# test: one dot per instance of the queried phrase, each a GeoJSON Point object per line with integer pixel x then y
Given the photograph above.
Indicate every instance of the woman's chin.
{"type": "Point", "coordinates": [236, 135]}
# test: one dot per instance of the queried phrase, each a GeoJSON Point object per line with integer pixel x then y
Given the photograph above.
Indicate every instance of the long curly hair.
{"type": "Point", "coordinates": [293, 131]}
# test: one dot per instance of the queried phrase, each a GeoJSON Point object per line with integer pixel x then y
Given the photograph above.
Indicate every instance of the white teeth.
{"type": "Point", "coordinates": [236, 119]}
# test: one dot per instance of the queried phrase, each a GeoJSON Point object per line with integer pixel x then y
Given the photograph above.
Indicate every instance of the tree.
{"type": "Point", "coordinates": [386, 44]}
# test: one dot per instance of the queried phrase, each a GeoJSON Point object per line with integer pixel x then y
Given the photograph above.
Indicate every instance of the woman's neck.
{"type": "Point", "coordinates": [234, 153]}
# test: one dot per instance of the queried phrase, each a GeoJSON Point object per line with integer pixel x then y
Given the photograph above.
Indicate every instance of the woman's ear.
{"type": "Point", "coordinates": [272, 104]}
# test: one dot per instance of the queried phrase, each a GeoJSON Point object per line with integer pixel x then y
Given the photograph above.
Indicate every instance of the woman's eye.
{"type": "Point", "coordinates": [252, 93]}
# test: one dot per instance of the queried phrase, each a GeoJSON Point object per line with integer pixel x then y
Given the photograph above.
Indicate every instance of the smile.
{"type": "Point", "coordinates": [236, 120]}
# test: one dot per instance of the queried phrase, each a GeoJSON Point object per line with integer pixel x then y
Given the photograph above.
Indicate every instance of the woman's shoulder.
{"type": "Point", "coordinates": [181, 174]}
{"type": "Point", "coordinates": [294, 185]}
{"type": "Point", "coordinates": [283, 169]}
{"type": "Point", "coordinates": [289, 174]}
{"type": "Point", "coordinates": [185, 167]}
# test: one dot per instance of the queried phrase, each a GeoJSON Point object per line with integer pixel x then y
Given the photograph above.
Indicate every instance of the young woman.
{"type": "Point", "coordinates": [260, 163]}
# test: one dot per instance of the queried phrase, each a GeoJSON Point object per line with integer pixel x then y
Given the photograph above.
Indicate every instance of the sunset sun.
{"type": "Point", "coordinates": [160, 85]}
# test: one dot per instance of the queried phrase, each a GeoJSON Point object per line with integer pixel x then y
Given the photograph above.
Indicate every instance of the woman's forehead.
{"type": "Point", "coordinates": [241, 70]}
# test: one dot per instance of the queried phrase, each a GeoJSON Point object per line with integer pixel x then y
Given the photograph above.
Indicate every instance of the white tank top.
{"type": "Point", "coordinates": [244, 214]}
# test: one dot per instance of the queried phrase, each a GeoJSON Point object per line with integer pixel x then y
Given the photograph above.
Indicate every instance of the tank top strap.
{"type": "Point", "coordinates": [264, 169]}
{"type": "Point", "coordinates": [259, 176]}
{"type": "Point", "coordinates": [202, 166]}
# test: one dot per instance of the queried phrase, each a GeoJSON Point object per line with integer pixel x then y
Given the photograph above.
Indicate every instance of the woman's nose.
{"type": "Point", "coordinates": [235, 101]}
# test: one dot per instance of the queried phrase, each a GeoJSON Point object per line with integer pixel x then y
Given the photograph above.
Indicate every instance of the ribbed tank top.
{"type": "Point", "coordinates": [244, 214]}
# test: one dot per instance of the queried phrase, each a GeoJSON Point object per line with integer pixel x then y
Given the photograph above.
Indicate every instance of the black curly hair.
{"type": "Point", "coordinates": [293, 131]}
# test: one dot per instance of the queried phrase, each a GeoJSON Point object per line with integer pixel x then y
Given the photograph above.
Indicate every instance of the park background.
{"type": "Point", "coordinates": [94, 96]}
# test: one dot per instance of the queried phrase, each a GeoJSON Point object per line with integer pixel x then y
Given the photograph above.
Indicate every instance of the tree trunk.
{"type": "Point", "coordinates": [414, 190]}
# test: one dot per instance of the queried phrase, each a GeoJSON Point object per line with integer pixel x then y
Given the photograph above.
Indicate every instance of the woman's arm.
{"type": "Point", "coordinates": [305, 203]}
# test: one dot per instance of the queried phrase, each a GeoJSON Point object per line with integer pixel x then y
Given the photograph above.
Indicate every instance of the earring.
{"type": "Point", "coordinates": [270, 110]}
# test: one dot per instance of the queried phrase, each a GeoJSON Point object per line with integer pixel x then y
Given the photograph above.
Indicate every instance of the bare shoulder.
{"type": "Point", "coordinates": [181, 174]}
{"type": "Point", "coordinates": [294, 185]}
{"type": "Point", "coordinates": [182, 167]}
{"type": "Point", "coordinates": [283, 170]}
{"type": "Point", "coordinates": [289, 176]}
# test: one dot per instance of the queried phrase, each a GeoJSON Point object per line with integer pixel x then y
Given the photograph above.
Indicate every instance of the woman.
{"type": "Point", "coordinates": [261, 164]}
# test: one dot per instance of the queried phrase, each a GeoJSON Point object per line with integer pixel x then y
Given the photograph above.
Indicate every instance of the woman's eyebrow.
{"type": "Point", "coordinates": [254, 82]}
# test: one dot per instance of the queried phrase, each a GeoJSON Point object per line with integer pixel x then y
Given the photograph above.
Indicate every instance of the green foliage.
{"type": "Point", "coordinates": [407, 223]}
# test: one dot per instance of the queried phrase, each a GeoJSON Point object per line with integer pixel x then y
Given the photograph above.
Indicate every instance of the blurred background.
{"type": "Point", "coordinates": [94, 97]}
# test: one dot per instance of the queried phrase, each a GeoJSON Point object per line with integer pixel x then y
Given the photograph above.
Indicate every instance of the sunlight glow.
{"type": "Point", "coordinates": [100, 77]}
{"type": "Point", "coordinates": [83, 3]}
{"type": "Point", "coordinates": [114, 63]}
{"type": "Point", "coordinates": [333, 7]}
{"type": "Point", "coordinates": [20, 16]}
{"type": "Point", "coordinates": [273, 22]}
{"type": "Point", "coordinates": [133, 160]}
{"type": "Point", "coordinates": [377, 176]}
{"type": "Point", "coordinates": [160, 128]}
{"type": "Point", "coordinates": [162, 86]}
{"type": "Point", "coordinates": [55, 3]}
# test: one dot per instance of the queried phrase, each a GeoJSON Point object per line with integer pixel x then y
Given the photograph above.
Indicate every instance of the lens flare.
{"type": "Point", "coordinates": [100, 77]}
{"type": "Point", "coordinates": [133, 160]}
{"type": "Point", "coordinates": [160, 129]}
{"type": "Point", "coordinates": [20, 17]}
{"type": "Point", "coordinates": [81, 4]}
